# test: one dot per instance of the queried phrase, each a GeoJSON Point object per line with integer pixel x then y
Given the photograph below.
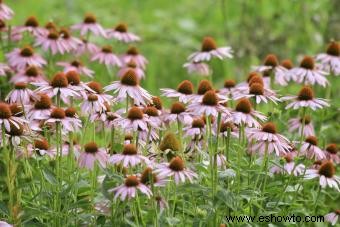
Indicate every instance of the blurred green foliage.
{"type": "Point", "coordinates": [171, 30]}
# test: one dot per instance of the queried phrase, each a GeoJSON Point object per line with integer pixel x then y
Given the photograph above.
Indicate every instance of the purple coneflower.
{"type": "Point", "coordinates": [148, 177]}
{"type": "Point", "coordinates": [295, 124]}
{"type": "Point", "coordinates": [268, 140]}
{"type": "Point", "coordinates": [20, 58]}
{"type": "Point", "coordinates": [77, 85]}
{"type": "Point", "coordinates": [58, 86]}
{"type": "Point", "coordinates": [244, 114]}
{"type": "Point", "coordinates": [31, 74]}
{"type": "Point", "coordinates": [209, 50]}
{"type": "Point", "coordinates": [31, 25]}
{"type": "Point", "coordinates": [129, 157]}
{"type": "Point", "coordinates": [74, 123]}
{"type": "Point", "coordinates": [4, 69]}
{"type": "Point", "coordinates": [107, 57]}
{"type": "Point", "coordinates": [86, 47]}
{"type": "Point", "coordinates": [135, 120]}
{"type": "Point", "coordinates": [196, 129]}
{"type": "Point", "coordinates": [178, 113]}
{"type": "Point", "coordinates": [311, 150]}
{"type": "Point", "coordinates": [183, 92]}
{"type": "Point", "coordinates": [305, 98]}
{"type": "Point", "coordinates": [69, 42]}
{"type": "Point", "coordinates": [228, 88]}
{"type": "Point", "coordinates": [224, 126]}
{"type": "Point", "coordinates": [51, 42]}
{"type": "Point", "coordinates": [88, 25]}
{"type": "Point", "coordinates": [92, 154]}
{"type": "Point", "coordinates": [3, 223]}
{"type": "Point", "coordinates": [177, 169]}
{"type": "Point", "coordinates": [198, 68]}
{"type": "Point", "coordinates": [332, 217]}
{"type": "Point", "coordinates": [6, 13]}
{"type": "Point", "coordinates": [92, 105]}
{"type": "Point", "coordinates": [308, 73]}
{"type": "Point", "coordinates": [131, 66]}
{"type": "Point", "coordinates": [58, 115]}
{"type": "Point", "coordinates": [289, 166]}
{"type": "Point", "coordinates": [330, 61]}
{"type": "Point", "coordinates": [332, 153]}
{"type": "Point", "coordinates": [120, 33]}
{"type": "Point", "coordinates": [154, 116]}
{"type": "Point", "coordinates": [77, 66]}
{"type": "Point", "coordinates": [132, 54]}
{"type": "Point", "coordinates": [7, 119]}
{"type": "Point", "coordinates": [97, 89]}
{"type": "Point", "coordinates": [20, 94]}
{"type": "Point", "coordinates": [326, 174]}
{"type": "Point", "coordinates": [128, 86]}
{"type": "Point", "coordinates": [129, 189]}
{"type": "Point", "coordinates": [41, 109]}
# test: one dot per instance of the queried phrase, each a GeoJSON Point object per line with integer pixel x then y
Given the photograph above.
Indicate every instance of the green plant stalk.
{"type": "Point", "coordinates": [112, 139]}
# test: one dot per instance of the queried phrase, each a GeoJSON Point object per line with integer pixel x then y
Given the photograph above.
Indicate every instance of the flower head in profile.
{"type": "Point", "coordinates": [92, 153]}
{"type": "Point", "coordinates": [57, 86]}
{"type": "Point", "coordinates": [332, 153]}
{"type": "Point", "coordinates": [90, 25]}
{"type": "Point", "coordinates": [31, 74]}
{"type": "Point", "coordinates": [69, 42]}
{"type": "Point", "coordinates": [311, 150]}
{"type": "Point", "coordinates": [86, 47]}
{"type": "Point", "coordinates": [196, 129]}
{"type": "Point", "coordinates": [154, 115]}
{"type": "Point", "coordinates": [330, 61]}
{"type": "Point", "coordinates": [326, 175]}
{"type": "Point", "coordinates": [20, 58]}
{"type": "Point", "coordinates": [225, 126]}
{"type": "Point", "coordinates": [229, 88]}
{"type": "Point", "coordinates": [4, 69]}
{"type": "Point", "coordinates": [210, 50]}
{"type": "Point", "coordinates": [305, 98]}
{"type": "Point", "coordinates": [183, 92]}
{"type": "Point", "coordinates": [41, 109]}
{"type": "Point", "coordinates": [308, 74]}
{"type": "Point", "coordinates": [121, 33]}
{"type": "Point", "coordinates": [7, 120]}
{"type": "Point", "coordinates": [295, 124]}
{"type": "Point", "coordinates": [176, 168]}
{"type": "Point", "coordinates": [128, 86]}
{"type": "Point", "coordinates": [178, 112]}
{"type": "Point", "coordinates": [244, 114]}
{"type": "Point", "coordinates": [333, 217]}
{"type": "Point", "coordinates": [129, 157]}
{"type": "Point", "coordinates": [209, 105]}
{"type": "Point", "coordinates": [289, 166]}
{"type": "Point", "coordinates": [130, 188]}
{"type": "Point", "coordinates": [135, 120]}
{"type": "Point", "coordinates": [31, 26]}
{"type": "Point", "coordinates": [268, 140]}
{"type": "Point", "coordinates": [18, 132]}
{"type": "Point", "coordinates": [52, 42]}
{"type": "Point", "coordinates": [203, 87]}
{"type": "Point", "coordinates": [148, 177]}
{"type": "Point", "coordinates": [20, 94]}
{"type": "Point", "coordinates": [131, 66]}
{"type": "Point", "coordinates": [132, 54]}
{"type": "Point", "coordinates": [77, 85]}
{"type": "Point", "coordinates": [6, 13]}
{"type": "Point", "coordinates": [107, 57]}
{"type": "Point", "coordinates": [198, 68]}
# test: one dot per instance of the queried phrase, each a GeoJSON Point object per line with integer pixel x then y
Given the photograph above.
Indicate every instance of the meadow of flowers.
{"type": "Point", "coordinates": [77, 151]}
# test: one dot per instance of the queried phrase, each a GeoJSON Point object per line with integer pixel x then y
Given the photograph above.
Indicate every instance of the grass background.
{"type": "Point", "coordinates": [171, 30]}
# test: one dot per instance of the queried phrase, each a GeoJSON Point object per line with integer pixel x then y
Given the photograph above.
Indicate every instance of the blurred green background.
{"type": "Point", "coordinates": [171, 30]}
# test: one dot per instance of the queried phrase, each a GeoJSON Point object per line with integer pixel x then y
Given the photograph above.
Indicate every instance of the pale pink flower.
{"type": "Point", "coordinates": [31, 74]}
{"type": "Point", "coordinates": [332, 153]}
{"type": "Point", "coordinates": [120, 33]}
{"type": "Point", "coordinates": [224, 126]}
{"type": "Point", "coordinates": [128, 190]}
{"type": "Point", "coordinates": [4, 69]}
{"type": "Point", "coordinates": [177, 169]}
{"type": "Point", "coordinates": [178, 113]}
{"type": "Point", "coordinates": [3, 223]}
{"type": "Point", "coordinates": [21, 58]}
{"type": "Point", "coordinates": [333, 217]}
{"type": "Point", "coordinates": [154, 115]}
{"type": "Point", "coordinates": [326, 175]}
{"type": "Point", "coordinates": [271, 66]}
{"type": "Point", "coordinates": [258, 92]}
{"type": "Point", "coordinates": [289, 167]}
{"type": "Point", "coordinates": [228, 89]}
{"type": "Point", "coordinates": [308, 73]}
{"type": "Point", "coordinates": [135, 120]}
{"type": "Point", "coordinates": [330, 61]}
{"type": "Point", "coordinates": [77, 66]}
{"type": "Point", "coordinates": [209, 50]}
{"type": "Point", "coordinates": [131, 66]}
{"type": "Point", "coordinates": [92, 105]}
{"type": "Point", "coordinates": [267, 140]}
{"type": "Point", "coordinates": [86, 47]}
{"type": "Point", "coordinates": [129, 157]}
{"type": "Point", "coordinates": [31, 26]}
{"type": "Point", "coordinates": [244, 114]}
{"type": "Point", "coordinates": [295, 124]}
{"type": "Point", "coordinates": [90, 25]}
{"type": "Point", "coordinates": [311, 150]}
{"type": "Point", "coordinates": [161, 203]}
{"type": "Point", "coordinates": [107, 57]}
{"type": "Point", "coordinates": [198, 68]}
{"type": "Point", "coordinates": [98, 90]}
{"type": "Point", "coordinates": [41, 109]}
{"type": "Point", "coordinates": [20, 94]}
{"type": "Point", "coordinates": [305, 98]}
{"type": "Point", "coordinates": [7, 119]}
{"type": "Point", "coordinates": [221, 161]}
{"type": "Point", "coordinates": [6, 13]}
{"type": "Point", "coordinates": [77, 85]}
{"type": "Point", "coordinates": [196, 129]}
{"type": "Point", "coordinates": [58, 86]}
{"type": "Point", "coordinates": [183, 92]}
{"type": "Point", "coordinates": [74, 123]}
{"type": "Point", "coordinates": [52, 42]}
{"type": "Point", "coordinates": [209, 105]}
{"type": "Point", "coordinates": [128, 86]}
{"type": "Point", "coordinates": [92, 153]}
{"type": "Point", "coordinates": [58, 116]}
{"type": "Point", "coordinates": [69, 42]}
{"type": "Point", "coordinates": [40, 147]}
{"type": "Point", "coordinates": [132, 54]}
{"type": "Point", "coordinates": [149, 177]}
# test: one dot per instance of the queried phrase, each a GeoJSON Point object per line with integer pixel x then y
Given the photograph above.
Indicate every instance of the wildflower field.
{"type": "Point", "coordinates": [169, 113]}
